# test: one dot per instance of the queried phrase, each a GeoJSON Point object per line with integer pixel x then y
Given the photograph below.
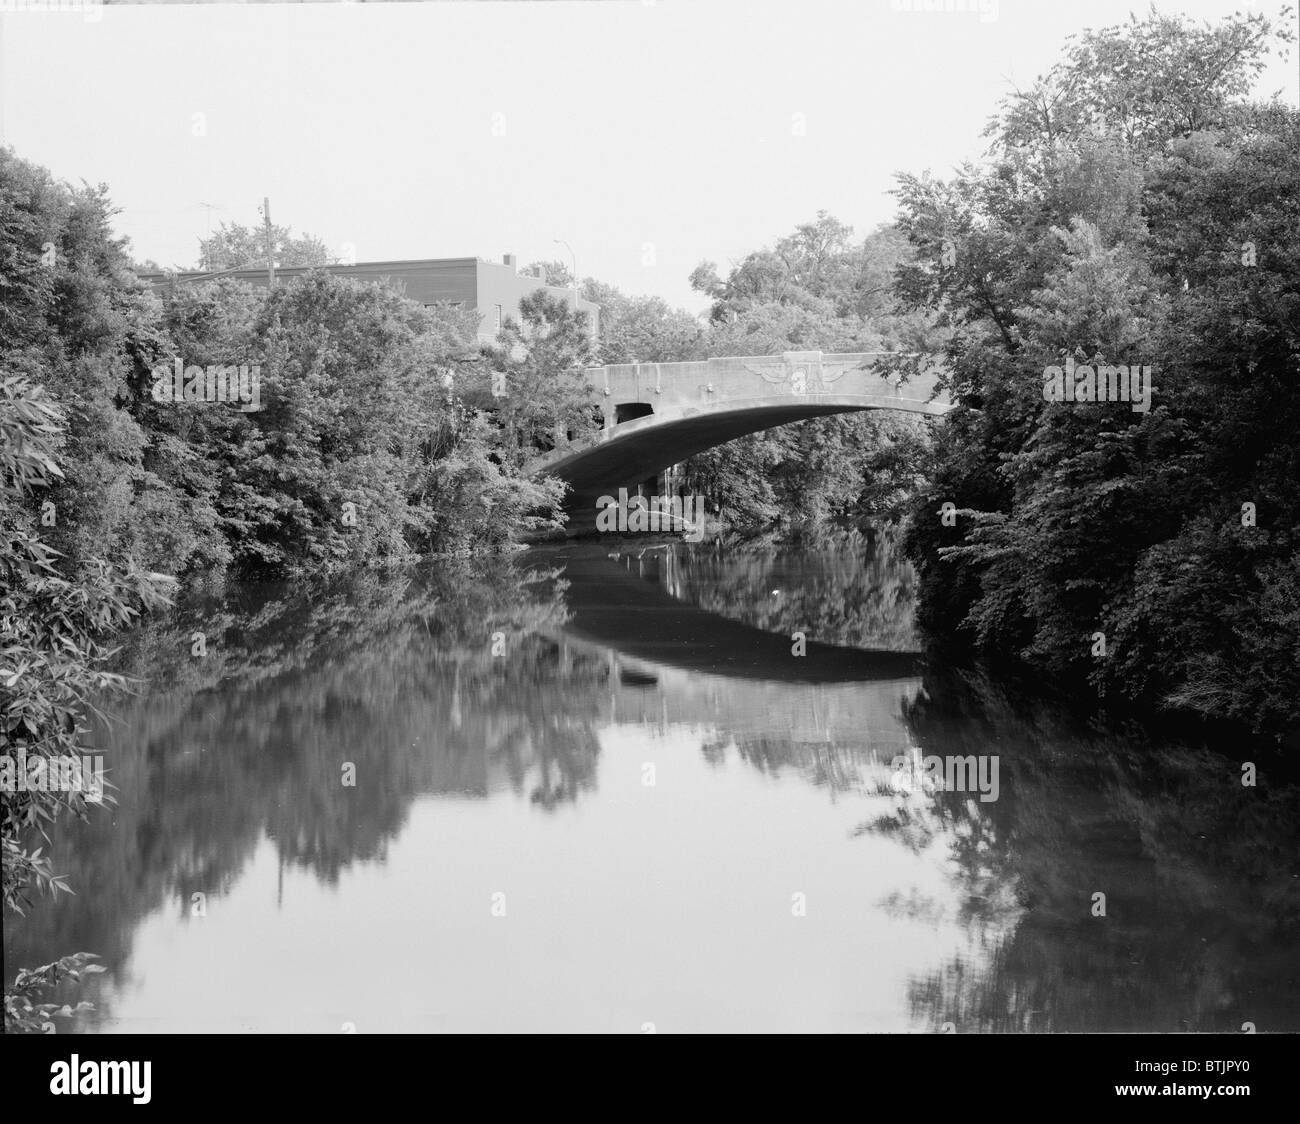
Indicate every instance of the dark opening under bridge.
{"type": "Point", "coordinates": [657, 414]}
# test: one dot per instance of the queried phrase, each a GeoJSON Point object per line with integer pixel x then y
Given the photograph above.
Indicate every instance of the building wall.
{"type": "Point", "coordinates": [487, 286]}
{"type": "Point", "coordinates": [427, 281]}
{"type": "Point", "coordinates": [499, 286]}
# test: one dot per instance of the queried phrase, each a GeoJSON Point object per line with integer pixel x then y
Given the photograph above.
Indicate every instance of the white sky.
{"type": "Point", "coordinates": [629, 127]}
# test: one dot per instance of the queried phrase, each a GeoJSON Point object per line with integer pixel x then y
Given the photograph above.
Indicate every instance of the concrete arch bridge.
{"type": "Point", "coordinates": [655, 415]}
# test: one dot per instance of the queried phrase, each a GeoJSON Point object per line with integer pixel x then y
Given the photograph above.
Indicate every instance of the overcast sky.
{"type": "Point", "coordinates": [649, 135]}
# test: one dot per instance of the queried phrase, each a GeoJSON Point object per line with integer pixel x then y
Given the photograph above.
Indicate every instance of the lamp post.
{"type": "Point", "coordinates": [562, 242]}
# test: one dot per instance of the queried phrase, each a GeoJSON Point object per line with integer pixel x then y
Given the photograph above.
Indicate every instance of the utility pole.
{"type": "Point", "coordinates": [270, 243]}
{"type": "Point", "coordinates": [207, 246]}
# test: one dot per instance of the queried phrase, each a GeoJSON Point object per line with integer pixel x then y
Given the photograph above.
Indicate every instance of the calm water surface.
{"type": "Point", "coordinates": [596, 791]}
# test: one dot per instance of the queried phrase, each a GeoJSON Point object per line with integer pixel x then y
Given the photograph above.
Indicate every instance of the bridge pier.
{"type": "Point", "coordinates": [582, 507]}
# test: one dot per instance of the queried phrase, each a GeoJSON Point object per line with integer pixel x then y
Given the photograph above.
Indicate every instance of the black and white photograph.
{"type": "Point", "coordinates": [650, 517]}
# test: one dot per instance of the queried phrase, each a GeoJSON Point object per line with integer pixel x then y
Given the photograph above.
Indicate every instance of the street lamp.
{"type": "Point", "coordinates": [562, 242]}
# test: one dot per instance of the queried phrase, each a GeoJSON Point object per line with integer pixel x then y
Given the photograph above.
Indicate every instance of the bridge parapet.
{"type": "Point", "coordinates": [810, 376]}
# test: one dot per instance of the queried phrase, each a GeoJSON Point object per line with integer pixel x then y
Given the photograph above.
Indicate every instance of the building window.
{"type": "Point", "coordinates": [498, 317]}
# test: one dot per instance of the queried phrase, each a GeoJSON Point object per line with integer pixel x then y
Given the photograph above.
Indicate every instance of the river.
{"type": "Point", "coordinates": [627, 788]}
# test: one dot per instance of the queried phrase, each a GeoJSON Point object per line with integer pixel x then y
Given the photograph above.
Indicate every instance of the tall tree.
{"type": "Point", "coordinates": [816, 289]}
{"type": "Point", "coordinates": [642, 329]}
{"type": "Point", "coordinates": [538, 385]}
{"type": "Point", "coordinates": [233, 246]}
{"type": "Point", "coordinates": [1131, 213]}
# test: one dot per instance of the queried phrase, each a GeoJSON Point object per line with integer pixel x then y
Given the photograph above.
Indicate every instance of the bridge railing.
{"type": "Point", "coordinates": [800, 374]}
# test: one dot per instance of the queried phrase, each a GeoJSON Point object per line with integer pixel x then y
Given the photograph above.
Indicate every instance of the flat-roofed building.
{"type": "Point", "coordinates": [493, 288]}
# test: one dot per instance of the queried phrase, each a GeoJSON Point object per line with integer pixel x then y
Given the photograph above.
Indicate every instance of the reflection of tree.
{"type": "Point", "coordinates": [846, 588]}
{"type": "Point", "coordinates": [836, 767]}
{"type": "Point", "coordinates": [714, 750]}
{"type": "Point", "coordinates": [1202, 899]}
{"type": "Point", "coordinates": [398, 677]}
{"type": "Point", "coordinates": [556, 742]}
{"type": "Point", "coordinates": [394, 676]}
{"type": "Point", "coordinates": [907, 825]}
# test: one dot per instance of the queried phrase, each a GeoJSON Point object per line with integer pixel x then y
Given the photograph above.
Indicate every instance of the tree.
{"type": "Point", "coordinates": [1119, 222]}
{"type": "Point", "coordinates": [332, 470]}
{"type": "Point", "coordinates": [539, 385]}
{"type": "Point", "coordinates": [554, 273]}
{"type": "Point", "coordinates": [57, 628]}
{"type": "Point", "coordinates": [234, 246]}
{"type": "Point", "coordinates": [1142, 83]}
{"type": "Point", "coordinates": [642, 329]}
{"type": "Point", "coordinates": [816, 290]}
{"type": "Point", "coordinates": [85, 331]}
{"type": "Point", "coordinates": [818, 269]}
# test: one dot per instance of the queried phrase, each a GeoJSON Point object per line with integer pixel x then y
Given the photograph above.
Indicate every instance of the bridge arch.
{"type": "Point", "coordinates": [659, 414]}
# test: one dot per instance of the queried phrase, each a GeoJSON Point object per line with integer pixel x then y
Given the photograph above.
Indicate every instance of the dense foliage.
{"type": "Point", "coordinates": [816, 289]}
{"type": "Point", "coordinates": [367, 445]}
{"type": "Point", "coordinates": [57, 620]}
{"type": "Point", "coordinates": [235, 246]}
{"type": "Point", "coordinates": [1132, 211]}
{"type": "Point", "coordinates": [348, 440]}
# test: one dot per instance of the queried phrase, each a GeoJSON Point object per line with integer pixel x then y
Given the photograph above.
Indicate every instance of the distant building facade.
{"type": "Point", "coordinates": [493, 288]}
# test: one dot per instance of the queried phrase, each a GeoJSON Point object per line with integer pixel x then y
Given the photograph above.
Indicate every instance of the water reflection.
{"type": "Point", "coordinates": [1200, 873]}
{"type": "Point", "coordinates": [596, 788]}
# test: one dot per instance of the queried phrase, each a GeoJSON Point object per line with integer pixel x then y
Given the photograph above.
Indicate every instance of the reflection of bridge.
{"type": "Point", "coordinates": [658, 414]}
{"type": "Point", "coordinates": [673, 663]}
{"type": "Point", "coordinates": [858, 722]}
{"type": "Point", "coordinates": [640, 619]}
